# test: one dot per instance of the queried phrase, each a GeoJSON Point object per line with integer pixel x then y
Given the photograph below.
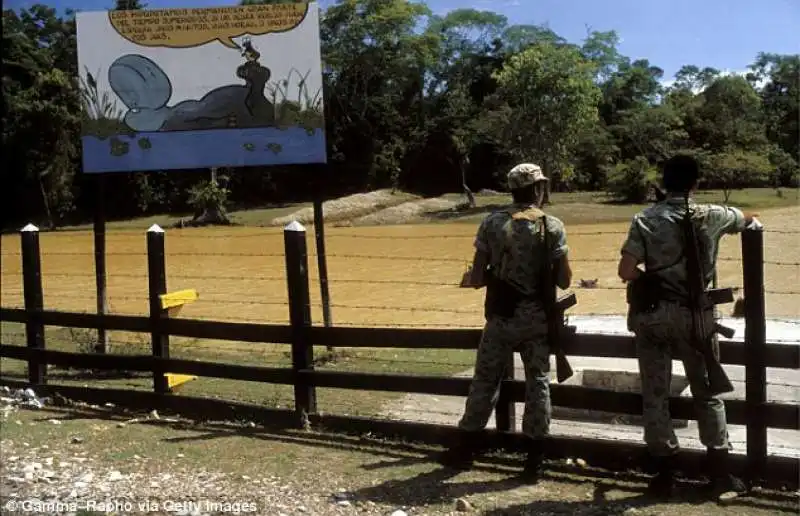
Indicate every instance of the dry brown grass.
{"type": "Point", "coordinates": [392, 275]}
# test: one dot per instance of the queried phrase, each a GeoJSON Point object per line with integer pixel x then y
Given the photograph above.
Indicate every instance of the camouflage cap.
{"type": "Point", "coordinates": [525, 174]}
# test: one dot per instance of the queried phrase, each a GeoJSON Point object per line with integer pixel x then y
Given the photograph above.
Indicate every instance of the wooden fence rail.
{"type": "Point", "coordinates": [755, 354]}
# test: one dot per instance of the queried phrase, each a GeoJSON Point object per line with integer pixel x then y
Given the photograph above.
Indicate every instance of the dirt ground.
{"type": "Point", "coordinates": [403, 275]}
{"type": "Point", "coordinates": [98, 455]}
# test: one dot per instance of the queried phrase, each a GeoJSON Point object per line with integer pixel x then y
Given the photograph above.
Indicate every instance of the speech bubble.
{"type": "Point", "coordinates": [185, 28]}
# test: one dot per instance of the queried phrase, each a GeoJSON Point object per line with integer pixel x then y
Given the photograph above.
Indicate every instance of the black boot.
{"type": "Point", "coordinates": [724, 486]}
{"type": "Point", "coordinates": [663, 482]}
{"type": "Point", "coordinates": [463, 453]}
{"type": "Point", "coordinates": [534, 462]}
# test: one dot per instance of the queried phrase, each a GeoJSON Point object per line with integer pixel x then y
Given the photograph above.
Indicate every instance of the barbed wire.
{"type": "Point", "coordinates": [464, 260]}
{"type": "Point", "coordinates": [238, 301]}
{"type": "Point", "coordinates": [62, 293]}
{"type": "Point", "coordinates": [404, 309]}
{"type": "Point", "coordinates": [172, 232]}
{"type": "Point", "coordinates": [377, 281]}
{"type": "Point", "coordinates": [143, 254]}
{"type": "Point", "coordinates": [273, 230]}
{"type": "Point", "coordinates": [378, 257]}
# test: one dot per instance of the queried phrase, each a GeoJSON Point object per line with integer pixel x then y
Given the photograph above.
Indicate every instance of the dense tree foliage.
{"type": "Point", "coordinates": [424, 102]}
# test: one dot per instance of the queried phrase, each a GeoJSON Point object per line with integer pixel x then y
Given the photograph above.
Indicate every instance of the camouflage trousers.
{"type": "Point", "coordinates": [525, 333]}
{"type": "Point", "coordinates": [662, 336]}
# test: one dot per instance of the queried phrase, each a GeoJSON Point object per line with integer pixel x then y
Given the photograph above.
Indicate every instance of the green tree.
{"type": "Point", "coordinates": [735, 169]}
{"type": "Point", "coordinates": [375, 66]}
{"type": "Point", "coordinates": [630, 181]}
{"type": "Point", "coordinates": [546, 98]}
{"type": "Point", "coordinates": [693, 79]}
{"type": "Point", "coordinates": [728, 114]}
{"type": "Point", "coordinates": [601, 49]}
{"type": "Point", "coordinates": [780, 98]}
{"type": "Point", "coordinates": [40, 114]}
{"type": "Point", "coordinates": [785, 171]}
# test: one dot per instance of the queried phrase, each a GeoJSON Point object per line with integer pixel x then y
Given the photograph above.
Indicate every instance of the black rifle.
{"type": "Point", "coordinates": [554, 309]}
{"type": "Point", "coordinates": [715, 296]}
{"type": "Point", "coordinates": [700, 301]}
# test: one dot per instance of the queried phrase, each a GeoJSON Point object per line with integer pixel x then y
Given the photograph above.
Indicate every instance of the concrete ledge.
{"type": "Point", "coordinates": [615, 381]}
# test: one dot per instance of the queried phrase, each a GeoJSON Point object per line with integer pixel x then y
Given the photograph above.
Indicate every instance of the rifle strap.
{"type": "Point", "coordinates": [531, 214]}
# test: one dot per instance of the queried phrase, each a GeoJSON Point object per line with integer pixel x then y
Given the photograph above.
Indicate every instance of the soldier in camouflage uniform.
{"type": "Point", "coordinates": [655, 240]}
{"type": "Point", "coordinates": [510, 244]}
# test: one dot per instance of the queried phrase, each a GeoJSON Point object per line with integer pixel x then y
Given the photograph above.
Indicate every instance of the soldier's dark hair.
{"type": "Point", "coordinates": [524, 195]}
{"type": "Point", "coordinates": [680, 173]}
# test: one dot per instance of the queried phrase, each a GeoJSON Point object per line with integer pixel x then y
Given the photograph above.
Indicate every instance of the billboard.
{"type": "Point", "coordinates": [170, 89]}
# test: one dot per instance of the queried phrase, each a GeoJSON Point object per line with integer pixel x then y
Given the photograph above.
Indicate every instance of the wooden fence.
{"type": "Point", "coordinates": [755, 412]}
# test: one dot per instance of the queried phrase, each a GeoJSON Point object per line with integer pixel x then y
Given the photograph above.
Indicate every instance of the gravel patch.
{"type": "Point", "coordinates": [55, 481]}
{"type": "Point", "coordinates": [404, 213]}
{"type": "Point", "coordinates": [80, 465]}
{"type": "Point", "coordinates": [346, 207]}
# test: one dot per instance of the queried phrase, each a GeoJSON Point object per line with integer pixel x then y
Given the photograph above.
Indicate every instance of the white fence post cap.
{"type": "Point", "coordinates": [294, 226]}
{"type": "Point", "coordinates": [29, 228]}
{"type": "Point", "coordinates": [155, 228]}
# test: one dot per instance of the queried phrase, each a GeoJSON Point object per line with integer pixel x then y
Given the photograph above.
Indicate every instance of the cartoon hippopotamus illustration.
{"type": "Point", "coordinates": [145, 89]}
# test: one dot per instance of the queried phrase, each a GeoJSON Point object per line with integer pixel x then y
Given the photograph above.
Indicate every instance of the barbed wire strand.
{"type": "Point", "coordinates": [350, 256]}
{"type": "Point", "coordinates": [67, 292]}
{"type": "Point", "coordinates": [260, 231]}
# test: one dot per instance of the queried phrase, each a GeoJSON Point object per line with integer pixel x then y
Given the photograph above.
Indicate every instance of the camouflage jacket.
{"type": "Point", "coordinates": [655, 238]}
{"type": "Point", "coordinates": [514, 241]}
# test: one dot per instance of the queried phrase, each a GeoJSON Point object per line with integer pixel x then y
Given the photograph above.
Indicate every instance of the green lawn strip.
{"type": "Point", "coordinates": [563, 206]}
{"type": "Point", "coordinates": [597, 207]}
{"type": "Point", "coordinates": [336, 401]}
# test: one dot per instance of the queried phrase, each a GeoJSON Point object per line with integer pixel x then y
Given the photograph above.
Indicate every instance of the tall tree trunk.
{"type": "Point", "coordinates": [48, 212]}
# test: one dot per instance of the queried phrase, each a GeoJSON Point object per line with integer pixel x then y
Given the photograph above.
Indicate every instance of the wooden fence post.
{"type": "Point", "coordinates": [157, 285]}
{"type": "Point", "coordinates": [505, 410]}
{"type": "Point", "coordinates": [34, 300]}
{"type": "Point", "coordinates": [294, 239]}
{"type": "Point", "coordinates": [322, 263]}
{"type": "Point", "coordinates": [755, 341]}
{"type": "Point", "coordinates": [100, 259]}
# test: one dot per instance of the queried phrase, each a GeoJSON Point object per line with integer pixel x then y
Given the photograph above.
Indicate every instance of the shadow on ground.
{"type": "Point", "coordinates": [409, 487]}
{"type": "Point", "coordinates": [439, 486]}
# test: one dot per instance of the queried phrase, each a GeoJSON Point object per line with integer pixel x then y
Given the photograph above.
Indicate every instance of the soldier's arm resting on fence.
{"type": "Point", "coordinates": [728, 220]}
{"type": "Point", "coordinates": [632, 254]}
{"type": "Point", "coordinates": [559, 252]}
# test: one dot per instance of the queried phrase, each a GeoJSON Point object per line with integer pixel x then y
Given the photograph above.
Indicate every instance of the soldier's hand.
{"type": "Point", "coordinates": [466, 279]}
